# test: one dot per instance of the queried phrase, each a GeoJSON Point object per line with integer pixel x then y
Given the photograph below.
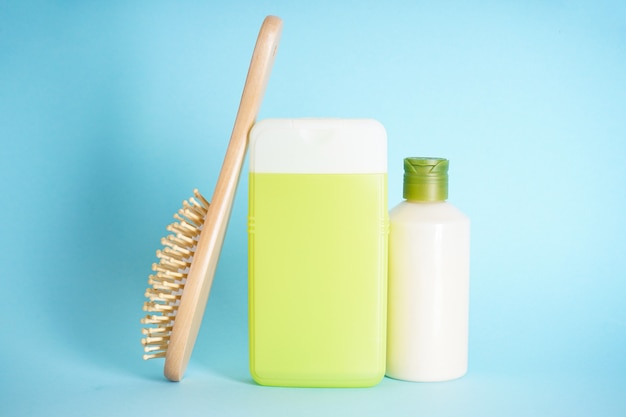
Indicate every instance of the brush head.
{"type": "Point", "coordinates": [167, 283]}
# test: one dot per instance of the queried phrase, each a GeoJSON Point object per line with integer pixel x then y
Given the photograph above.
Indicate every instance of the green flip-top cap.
{"type": "Point", "coordinates": [425, 179]}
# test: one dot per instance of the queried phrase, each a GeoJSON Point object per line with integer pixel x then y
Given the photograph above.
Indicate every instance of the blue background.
{"type": "Point", "coordinates": [112, 112]}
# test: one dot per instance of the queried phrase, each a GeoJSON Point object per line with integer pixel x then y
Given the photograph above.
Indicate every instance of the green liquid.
{"type": "Point", "coordinates": [318, 267]}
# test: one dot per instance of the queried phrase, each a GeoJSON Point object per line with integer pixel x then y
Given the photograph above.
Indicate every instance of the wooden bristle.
{"type": "Point", "coordinates": [166, 285]}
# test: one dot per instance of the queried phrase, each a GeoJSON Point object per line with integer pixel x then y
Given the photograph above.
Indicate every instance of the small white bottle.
{"type": "Point", "coordinates": [428, 304]}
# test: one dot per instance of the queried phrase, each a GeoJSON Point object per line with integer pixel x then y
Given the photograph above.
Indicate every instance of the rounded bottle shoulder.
{"type": "Point", "coordinates": [443, 212]}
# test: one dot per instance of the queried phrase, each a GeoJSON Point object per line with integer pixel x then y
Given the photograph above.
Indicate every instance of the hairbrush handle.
{"type": "Point", "coordinates": [202, 270]}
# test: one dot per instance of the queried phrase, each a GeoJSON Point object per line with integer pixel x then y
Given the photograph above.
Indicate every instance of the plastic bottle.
{"type": "Point", "coordinates": [428, 305]}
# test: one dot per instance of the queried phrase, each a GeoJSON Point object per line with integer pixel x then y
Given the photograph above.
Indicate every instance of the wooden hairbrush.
{"type": "Point", "coordinates": [179, 288]}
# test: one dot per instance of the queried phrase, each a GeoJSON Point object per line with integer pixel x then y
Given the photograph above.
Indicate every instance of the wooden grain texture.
{"type": "Point", "coordinates": [202, 270]}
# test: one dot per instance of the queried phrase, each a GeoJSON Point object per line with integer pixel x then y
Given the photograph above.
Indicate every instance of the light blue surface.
{"type": "Point", "coordinates": [111, 114]}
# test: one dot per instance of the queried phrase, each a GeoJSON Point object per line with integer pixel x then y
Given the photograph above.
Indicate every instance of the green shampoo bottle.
{"type": "Point", "coordinates": [318, 252]}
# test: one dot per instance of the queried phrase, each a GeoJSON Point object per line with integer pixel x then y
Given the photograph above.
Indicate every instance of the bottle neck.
{"type": "Point", "coordinates": [425, 201]}
{"type": "Point", "coordinates": [425, 190]}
